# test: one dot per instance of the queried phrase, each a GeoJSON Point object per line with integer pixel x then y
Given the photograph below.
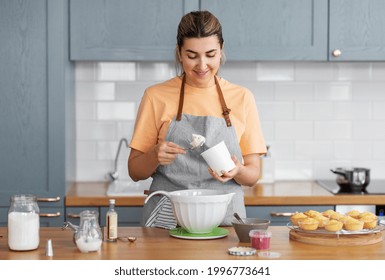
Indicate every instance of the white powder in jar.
{"type": "Point", "coordinates": [89, 245]}
{"type": "Point", "coordinates": [23, 231]}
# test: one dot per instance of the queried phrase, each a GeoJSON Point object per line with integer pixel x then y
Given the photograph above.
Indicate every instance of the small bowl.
{"type": "Point", "coordinates": [242, 230]}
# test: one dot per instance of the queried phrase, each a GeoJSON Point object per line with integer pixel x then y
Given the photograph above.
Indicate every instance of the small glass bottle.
{"type": "Point", "coordinates": [23, 223]}
{"type": "Point", "coordinates": [112, 222]}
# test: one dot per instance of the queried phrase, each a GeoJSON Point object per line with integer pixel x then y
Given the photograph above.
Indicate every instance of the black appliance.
{"type": "Point", "coordinates": [374, 187]}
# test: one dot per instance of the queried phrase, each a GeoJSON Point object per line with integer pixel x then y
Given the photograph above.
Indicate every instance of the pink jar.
{"type": "Point", "coordinates": [260, 239]}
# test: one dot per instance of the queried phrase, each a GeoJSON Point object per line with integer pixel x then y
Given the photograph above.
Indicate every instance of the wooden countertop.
{"type": "Point", "coordinates": [278, 193]}
{"type": "Point", "coordinates": [157, 244]}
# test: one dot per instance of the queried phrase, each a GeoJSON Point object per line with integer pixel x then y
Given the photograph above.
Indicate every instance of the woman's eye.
{"type": "Point", "coordinates": [191, 57]}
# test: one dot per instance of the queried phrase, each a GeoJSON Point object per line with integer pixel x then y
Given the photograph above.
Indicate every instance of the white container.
{"type": "Point", "coordinates": [23, 223]}
{"type": "Point", "coordinates": [198, 211]}
{"type": "Point", "coordinates": [218, 158]}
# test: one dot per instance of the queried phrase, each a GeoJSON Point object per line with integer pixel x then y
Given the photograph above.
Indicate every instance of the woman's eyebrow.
{"type": "Point", "coordinates": [193, 52]}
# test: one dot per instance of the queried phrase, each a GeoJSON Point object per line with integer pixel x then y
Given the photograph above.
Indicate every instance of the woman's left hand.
{"type": "Point", "coordinates": [227, 176]}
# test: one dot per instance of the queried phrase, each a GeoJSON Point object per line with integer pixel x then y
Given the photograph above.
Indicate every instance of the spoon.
{"type": "Point", "coordinates": [238, 218]}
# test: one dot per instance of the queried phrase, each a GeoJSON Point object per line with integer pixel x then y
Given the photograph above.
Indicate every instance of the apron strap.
{"type": "Point", "coordinates": [225, 109]}
{"type": "Point", "coordinates": [181, 99]}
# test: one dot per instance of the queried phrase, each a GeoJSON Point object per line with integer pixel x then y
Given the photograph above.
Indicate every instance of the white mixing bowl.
{"type": "Point", "coordinates": [198, 211]}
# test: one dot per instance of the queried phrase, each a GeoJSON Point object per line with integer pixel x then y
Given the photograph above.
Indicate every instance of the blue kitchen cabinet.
{"type": "Point", "coordinates": [279, 30]}
{"type": "Point", "coordinates": [36, 105]}
{"type": "Point", "coordinates": [356, 30]}
{"type": "Point", "coordinates": [280, 215]}
{"type": "Point", "coordinates": [126, 30]}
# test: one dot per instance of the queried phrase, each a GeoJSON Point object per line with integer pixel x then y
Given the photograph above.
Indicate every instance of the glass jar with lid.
{"type": "Point", "coordinates": [23, 223]}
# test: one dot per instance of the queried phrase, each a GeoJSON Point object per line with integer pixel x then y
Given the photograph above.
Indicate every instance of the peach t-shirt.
{"type": "Point", "coordinates": [159, 106]}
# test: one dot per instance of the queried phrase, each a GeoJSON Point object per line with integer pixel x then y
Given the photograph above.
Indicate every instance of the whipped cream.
{"type": "Point", "coordinates": [197, 141]}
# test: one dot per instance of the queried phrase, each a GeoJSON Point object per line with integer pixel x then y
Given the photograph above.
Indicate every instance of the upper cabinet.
{"type": "Point", "coordinates": [36, 106]}
{"type": "Point", "coordinates": [121, 30]}
{"type": "Point", "coordinates": [357, 30]}
{"type": "Point", "coordinates": [254, 30]}
{"type": "Point", "coordinates": [272, 30]}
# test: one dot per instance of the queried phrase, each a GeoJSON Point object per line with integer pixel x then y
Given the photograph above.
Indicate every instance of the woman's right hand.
{"type": "Point", "coordinates": [166, 152]}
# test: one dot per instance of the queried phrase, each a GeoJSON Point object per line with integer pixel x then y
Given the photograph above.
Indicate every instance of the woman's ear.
{"type": "Point", "coordinates": [177, 50]}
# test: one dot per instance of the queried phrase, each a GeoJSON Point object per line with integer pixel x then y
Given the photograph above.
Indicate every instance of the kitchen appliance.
{"type": "Point", "coordinates": [355, 179]}
{"type": "Point", "coordinates": [374, 187]}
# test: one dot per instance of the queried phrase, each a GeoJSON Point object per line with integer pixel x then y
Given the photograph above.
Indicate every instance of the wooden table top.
{"type": "Point", "coordinates": [157, 244]}
{"type": "Point", "coordinates": [278, 193]}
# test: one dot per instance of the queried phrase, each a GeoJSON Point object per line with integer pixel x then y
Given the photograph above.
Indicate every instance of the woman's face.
{"type": "Point", "coordinates": [201, 59]}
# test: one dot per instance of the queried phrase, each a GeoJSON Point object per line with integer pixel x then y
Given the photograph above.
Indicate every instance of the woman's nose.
{"type": "Point", "coordinates": [202, 63]}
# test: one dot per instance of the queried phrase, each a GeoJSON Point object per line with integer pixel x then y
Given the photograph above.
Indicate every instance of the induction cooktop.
{"type": "Point", "coordinates": [374, 187]}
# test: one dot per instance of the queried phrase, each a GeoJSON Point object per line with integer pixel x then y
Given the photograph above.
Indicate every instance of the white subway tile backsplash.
{"type": "Point", "coordinates": [379, 110]}
{"type": "Point", "coordinates": [314, 115]}
{"type": "Point", "coordinates": [239, 71]}
{"type": "Point", "coordinates": [155, 71]}
{"type": "Point", "coordinates": [352, 110]}
{"type": "Point", "coordinates": [88, 130]}
{"type": "Point", "coordinates": [314, 150]}
{"type": "Point", "coordinates": [353, 71]}
{"type": "Point", "coordinates": [86, 111]}
{"type": "Point", "coordinates": [368, 91]}
{"type": "Point", "coordinates": [332, 130]}
{"type": "Point", "coordinates": [95, 91]}
{"type": "Point", "coordinates": [352, 150]}
{"type": "Point", "coordinates": [369, 130]}
{"type": "Point", "coordinates": [314, 71]}
{"type": "Point", "coordinates": [293, 170]}
{"type": "Point", "coordinates": [86, 150]}
{"type": "Point", "coordinates": [378, 71]}
{"type": "Point", "coordinates": [116, 71]}
{"type": "Point", "coordinates": [275, 71]}
{"type": "Point", "coordinates": [313, 111]}
{"type": "Point", "coordinates": [275, 111]}
{"type": "Point", "coordinates": [116, 111]}
{"type": "Point", "coordinates": [333, 91]}
{"type": "Point", "coordinates": [85, 71]}
{"type": "Point", "coordinates": [294, 91]}
{"type": "Point", "coordinates": [293, 130]}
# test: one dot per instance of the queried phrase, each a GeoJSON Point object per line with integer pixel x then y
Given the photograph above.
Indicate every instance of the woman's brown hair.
{"type": "Point", "coordinates": [197, 24]}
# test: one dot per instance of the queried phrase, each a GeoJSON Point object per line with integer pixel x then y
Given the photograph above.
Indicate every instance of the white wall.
{"type": "Point", "coordinates": [315, 116]}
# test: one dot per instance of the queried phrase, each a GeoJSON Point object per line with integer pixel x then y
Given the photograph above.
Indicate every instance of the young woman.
{"type": "Point", "coordinates": [196, 102]}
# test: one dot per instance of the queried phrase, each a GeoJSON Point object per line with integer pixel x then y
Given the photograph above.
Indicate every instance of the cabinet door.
{"type": "Point", "coordinates": [266, 30]}
{"type": "Point", "coordinates": [33, 73]}
{"type": "Point", "coordinates": [357, 30]}
{"type": "Point", "coordinates": [122, 30]}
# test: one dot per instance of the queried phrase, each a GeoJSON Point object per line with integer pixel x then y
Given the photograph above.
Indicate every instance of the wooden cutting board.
{"type": "Point", "coordinates": [336, 240]}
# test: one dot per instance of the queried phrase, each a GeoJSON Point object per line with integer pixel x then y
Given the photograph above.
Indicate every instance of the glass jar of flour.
{"type": "Point", "coordinates": [23, 223]}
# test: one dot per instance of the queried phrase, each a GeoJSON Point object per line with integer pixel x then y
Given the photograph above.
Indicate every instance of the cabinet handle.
{"type": "Point", "coordinates": [50, 215]}
{"type": "Point", "coordinates": [48, 199]}
{"type": "Point", "coordinates": [336, 53]}
{"type": "Point", "coordinates": [281, 214]}
{"type": "Point", "coordinates": [73, 216]}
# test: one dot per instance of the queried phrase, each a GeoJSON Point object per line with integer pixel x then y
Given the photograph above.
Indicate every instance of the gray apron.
{"type": "Point", "coordinates": [189, 171]}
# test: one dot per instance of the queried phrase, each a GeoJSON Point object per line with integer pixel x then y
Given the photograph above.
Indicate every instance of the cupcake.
{"type": "Point", "coordinates": [312, 213]}
{"type": "Point", "coordinates": [346, 218]}
{"type": "Point", "coordinates": [336, 216]}
{"type": "Point", "coordinates": [308, 224]}
{"type": "Point", "coordinates": [297, 217]}
{"type": "Point", "coordinates": [366, 214]}
{"type": "Point", "coordinates": [353, 213]}
{"type": "Point", "coordinates": [322, 220]}
{"type": "Point", "coordinates": [327, 213]}
{"type": "Point", "coordinates": [334, 225]}
{"type": "Point", "coordinates": [354, 225]}
{"type": "Point", "coordinates": [370, 221]}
